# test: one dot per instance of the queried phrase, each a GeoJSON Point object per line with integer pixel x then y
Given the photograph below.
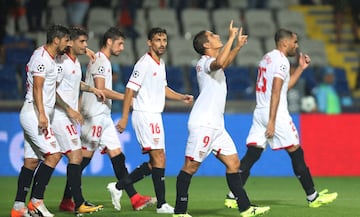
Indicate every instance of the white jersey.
{"type": "Point", "coordinates": [273, 64]}
{"type": "Point", "coordinates": [42, 64]}
{"type": "Point", "coordinates": [148, 79]}
{"type": "Point", "coordinates": [68, 83]}
{"type": "Point", "coordinates": [209, 107]}
{"type": "Point", "coordinates": [90, 105]}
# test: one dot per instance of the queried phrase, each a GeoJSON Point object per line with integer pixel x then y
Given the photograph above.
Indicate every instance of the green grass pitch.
{"type": "Point", "coordinates": [206, 197]}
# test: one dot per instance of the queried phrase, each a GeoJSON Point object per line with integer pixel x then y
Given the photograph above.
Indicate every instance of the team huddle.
{"type": "Point", "coordinates": [57, 101]}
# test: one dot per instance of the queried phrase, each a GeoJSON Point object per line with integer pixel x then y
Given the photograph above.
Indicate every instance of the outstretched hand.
{"type": "Point", "coordinates": [232, 30]}
{"type": "Point", "coordinates": [242, 39]}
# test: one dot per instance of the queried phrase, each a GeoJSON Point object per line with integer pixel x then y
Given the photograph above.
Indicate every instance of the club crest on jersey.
{"type": "Point", "coordinates": [75, 142]}
{"type": "Point", "coordinates": [156, 140]}
{"type": "Point", "coordinates": [136, 74]}
{"type": "Point", "coordinates": [41, 68]}
{"type": "Point", "coordinates": [101, 69]}
{"type": "Point", "coordinates": [283, 68]}
{"type": "Point", "coordinates": [201, 154]}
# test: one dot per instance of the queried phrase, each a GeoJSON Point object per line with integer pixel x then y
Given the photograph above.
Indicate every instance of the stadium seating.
{"type": "Point", "coordinates": [316, 50]}
{"type": "Point", "coordinates": [293, 21]}
{"type": "Point", "coordinates": [164, 18]}
{"type": "Point", "coordinates": [221, 18]}
{"type": "Point", "coordinates": [182, 52]}
{"type": "Point", "coordinates": [250, 54]}
{"type": "Point", "coordinates": [238, 4]}
{"type": "Point", "coordinates": [100, 19]}
{"type": "Point", "coordinates": [240, 86]}
{"type": "Point", "coordinates": [9, 84]}
{"type": "Point", "coordinates": [175, 78]}
{"type": "Point", "coordinates": [260, 23]}
{"type": "Point", "coordinates": [57, 15]}
{"type": "Point", "coordinates": [195, 20]}
{"type": "Point", "coordinates": [141, 23]}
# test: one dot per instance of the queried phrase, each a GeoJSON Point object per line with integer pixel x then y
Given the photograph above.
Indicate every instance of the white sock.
{"type": "Point", "coordinates": [19, 205]}
{"type": "Point", "coordinates": [311, 197]}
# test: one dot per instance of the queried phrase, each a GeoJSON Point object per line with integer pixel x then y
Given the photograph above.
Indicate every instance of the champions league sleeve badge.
{"type": "Point", "coordinates": [136, 74]}
{"type": "Point", "coordinates": [101, 70]}
{"type": "Point", "coordinates": [41, 68]}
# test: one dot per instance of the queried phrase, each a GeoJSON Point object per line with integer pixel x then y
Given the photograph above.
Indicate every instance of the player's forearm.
{"type": "Point", "coordinates": [232, 56]}
{"type": "Point", "coordinates": [61, 103]}
{"type": "Point", "coordinates": [114, 95]}
{"type": "Point", "coordinates": [295, 77]}
{"type": "Point", "coordinates": [127, 102]}
{"type": "Point", "coordinates": [85, 87]}
{"type": "Point", "coordinates": [221, 59]}
{"type": "Point", "coordinates": [171, 94]}
{"type": "Point", "coordinates": [38, 99]}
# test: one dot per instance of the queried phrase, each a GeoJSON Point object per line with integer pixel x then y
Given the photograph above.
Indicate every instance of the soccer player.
{"type": "Point", "coordinates": [272, 122]}
{"type": "Point", "coordinates": [35, 116]}
{"type": "Point", "coordinates": [146, 90]}
{"type": "Point", "coordinates": [207, 133]}
{"type": "Point", "coordinates": [66, 118]}
{"type": "Point", "coordinates": [98, 130]}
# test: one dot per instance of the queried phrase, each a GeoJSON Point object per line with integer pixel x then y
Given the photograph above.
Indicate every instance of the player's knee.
{"type": "Point", "coordinates": [31, 163]}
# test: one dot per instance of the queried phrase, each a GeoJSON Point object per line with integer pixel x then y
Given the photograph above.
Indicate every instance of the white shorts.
{"type": "Point", "coordinates": [285, 135]}
{"type": "Point", "coordinates": [37, 143]}
{"type": "Point", "coordinates": [203, 140]}
{"type": "Point", "coordinates": [99, 132]}
{"type": "Point", "coordinates": [149, 130]}
{"type": "Point", "coordinates": [66, 134]}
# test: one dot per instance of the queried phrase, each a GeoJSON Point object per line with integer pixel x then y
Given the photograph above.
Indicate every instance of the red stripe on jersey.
{"type": "Point", "coordinates": [134, 83]}
{"type": "Point", "coordinates": [251, 144]}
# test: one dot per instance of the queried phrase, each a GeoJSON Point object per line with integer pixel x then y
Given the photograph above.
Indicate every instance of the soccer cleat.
{"type": "Point", "coordinates": [181, 215]}
{"type": "Point", "coordinates": [255, 211]}
{"type": "Point", "coordinates": [39, 209]}
{"type": "Point", "coordinates": [323, 198]}
{"type": "Point", "coordinates": [230, 202]}
{"type": "Point", "coordinates": [20, 213]}
{"type": "Point", "coordinates": [87, 207]}
{"type": "Point", "coordinates": [115, 195]}
{"type": "Point", "coordinates": [165, 209]}
{"type": "Point", "coordinates": [139, 202]}
{"type": "Point", "coordinates": [67, 205]}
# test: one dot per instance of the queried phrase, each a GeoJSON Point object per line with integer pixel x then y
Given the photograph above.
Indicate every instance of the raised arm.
{"type": "Point", "coordinates": [241, 40]}
{"type": "Point", "coordinates": [222, 57]}
{"type": "Point", "coordinates": [304, 61]}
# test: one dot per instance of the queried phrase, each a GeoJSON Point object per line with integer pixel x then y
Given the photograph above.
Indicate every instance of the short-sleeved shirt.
{"type": "Point", "coordinates": [273, 64]}
{"type": "Point", "coordinates": [68, 83]}
{"type": "Point", "coordinates": [42, 64]}
{"type": "Point", "coordinates": [209, 107]}
{"type": "Point", "coordinates": [148, 79]}
{"type": "Point", "coordinates": [101, 67]}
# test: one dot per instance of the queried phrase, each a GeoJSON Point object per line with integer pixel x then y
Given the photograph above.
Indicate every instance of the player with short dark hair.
{"type": "Point", "coordinates": [147, 90]}
{"type": "Point", "coordinates": [35, 119]}
{"type": "Point", "coordinates": [98, 130]}
{"type": "Point", "coordinates": [272, 123]}
{"type": "Point", "coordinates": [207, 133]}
{"type": "Point", "coordinates": [66, 117]}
